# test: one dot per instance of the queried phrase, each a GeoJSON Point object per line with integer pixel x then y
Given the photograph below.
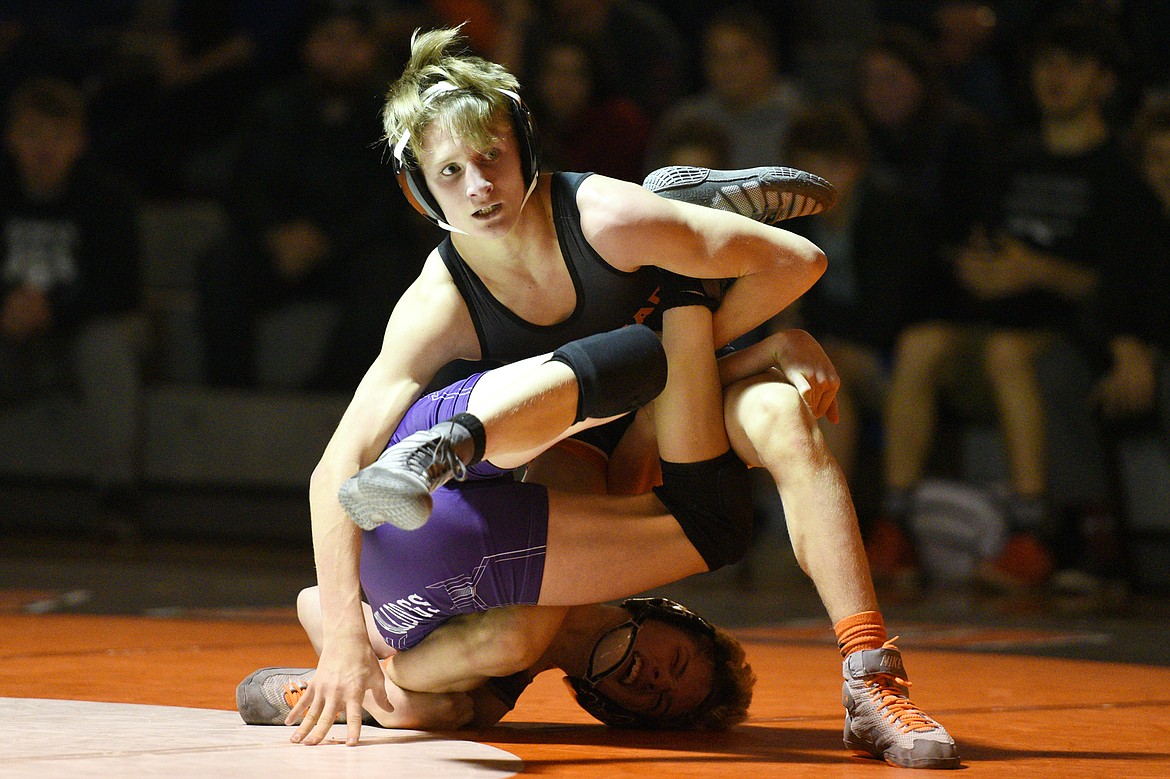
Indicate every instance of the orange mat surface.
{"type": "Point", "coordinates": [1012, 716]}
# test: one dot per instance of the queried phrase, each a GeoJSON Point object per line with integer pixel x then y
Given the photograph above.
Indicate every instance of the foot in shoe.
{"type": "Point", "coordinates": [397, 487]}
{"type": "Point", "coordinates": [880, 719]}
{"type": "Point", "coordinates": [768, 194]}
{"type": "Point", "coordinates": [266, 697]}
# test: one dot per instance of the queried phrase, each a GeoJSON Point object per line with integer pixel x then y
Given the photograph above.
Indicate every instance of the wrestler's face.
{"type": "Point", "coordinates": [668, 672]}
{"type": "Point", "coordinates": [481, 190]}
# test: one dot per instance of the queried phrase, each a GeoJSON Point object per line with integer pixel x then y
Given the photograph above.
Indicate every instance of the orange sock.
{"type": "Point", "coordinates": [866, 630]}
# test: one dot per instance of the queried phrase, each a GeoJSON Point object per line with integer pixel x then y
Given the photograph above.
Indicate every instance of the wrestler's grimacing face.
{"type": "Point", "coordinates": [669, 672]}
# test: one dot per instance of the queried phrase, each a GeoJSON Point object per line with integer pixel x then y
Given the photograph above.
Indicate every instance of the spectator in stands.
{"type": "Point", "coordinates": [166, 82]}
{"type": "Point", "coordinates": [582, 126]}
{"type": "Point", "coordinates": [1064, 208]}
{"type": "Point", "coordinates": [701, 144]}
{"type": "Point", "coordinates": [745, 92]}
{"type": "Point", "coordinates": [641, 54]}
{"type": "Point", "coordinates": [964, 40]}
{"type": "Point", "coordinates": [855, 311]}
{"type": "Point", "coordinates": [935, 147]}
{"type": "Point", "coordinates": [69, 282]}
{"type": "Point", "coordinates": [313, 212]}
{"type": "Point", "coordinates": [1130, 397]}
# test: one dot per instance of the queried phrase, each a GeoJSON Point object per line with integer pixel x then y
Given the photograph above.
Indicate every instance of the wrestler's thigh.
{"type": "Point", "coordinates": [603, 547]}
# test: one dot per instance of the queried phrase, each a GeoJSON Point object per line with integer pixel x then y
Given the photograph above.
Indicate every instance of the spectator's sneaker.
{"type": "Point", "coordinates": [891, 555]}
{"type": "Point", "coordinates": [881, 721]}
{"type": "Point", "coordinates": [397, 487]}
{"type": "Point", "coordinates": [1024, 564]}
{"type": "Point", "coordinates": [265, 697]}
{"type": "Point", "coordinates": [767, 195]}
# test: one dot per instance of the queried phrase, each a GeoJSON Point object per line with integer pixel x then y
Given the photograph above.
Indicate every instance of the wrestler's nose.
{"type": "Point", "coordinates": [478, 184]}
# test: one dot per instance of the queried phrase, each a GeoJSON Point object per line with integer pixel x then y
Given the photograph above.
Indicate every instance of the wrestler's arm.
{"type": "Point", "coordinates": [465, 651]}
{"type": "Point", "coordinates": [429, 327]}
{"type": "Point", "coordinates": [630, 227]}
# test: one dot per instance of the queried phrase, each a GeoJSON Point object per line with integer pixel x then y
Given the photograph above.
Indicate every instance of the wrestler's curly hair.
{"type": "Point", "coordinates": [468, 111]}
{"type": "Point", "coordinates": [731, 692]}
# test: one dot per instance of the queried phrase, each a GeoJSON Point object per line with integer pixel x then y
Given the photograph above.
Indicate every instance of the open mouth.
{"type": "Point", "coordinates": [487, 211]}
{"type": "Point", "coordinates": [631, 674]}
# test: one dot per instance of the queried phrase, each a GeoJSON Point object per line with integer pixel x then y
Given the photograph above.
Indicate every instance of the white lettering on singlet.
{"type": "Point", "coordinates": [404, 614]}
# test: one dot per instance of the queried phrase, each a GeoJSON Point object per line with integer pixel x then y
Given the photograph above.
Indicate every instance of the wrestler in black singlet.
{"type": "Point", "coordinates": [607, 298]}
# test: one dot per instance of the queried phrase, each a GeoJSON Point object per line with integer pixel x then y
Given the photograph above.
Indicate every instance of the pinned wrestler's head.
{"type": "Point", "coordinates": [665, 668]}
{"type": "Point", "coordinates": [463, 145]}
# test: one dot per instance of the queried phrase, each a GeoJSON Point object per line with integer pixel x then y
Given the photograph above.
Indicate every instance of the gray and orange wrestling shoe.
{"type": "Point", "coordinates": [880, 719]}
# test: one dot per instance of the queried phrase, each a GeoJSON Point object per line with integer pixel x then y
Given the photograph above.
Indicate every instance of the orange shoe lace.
{"type": "Point", "coordinates": [893, 702]}
{"type": "Point", "coordinates": [293, 692]}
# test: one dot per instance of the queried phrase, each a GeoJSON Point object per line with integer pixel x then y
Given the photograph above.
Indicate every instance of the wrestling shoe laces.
{"type": "Point", "coordinates": [767, 194]}
{"type": "Point", "coordinates": [266, 697]}
{"type": "Point", "coordinates": [397, 487]}
{"type": "Point", "coordinates": [881, 720]}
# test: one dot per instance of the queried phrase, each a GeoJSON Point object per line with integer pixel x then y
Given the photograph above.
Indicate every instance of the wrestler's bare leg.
{"type": "Point", "coordinates": [771, 426]}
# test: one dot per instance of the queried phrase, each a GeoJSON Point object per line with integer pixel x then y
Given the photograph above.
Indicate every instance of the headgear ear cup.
{"type": "Point", "coordinates": [527, 138]}
{"type": "Point", "coordinates": [414, 187]}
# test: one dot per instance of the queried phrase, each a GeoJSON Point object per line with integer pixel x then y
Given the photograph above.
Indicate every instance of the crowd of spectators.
{"type": "Point", "coordinates": [1003, 168]}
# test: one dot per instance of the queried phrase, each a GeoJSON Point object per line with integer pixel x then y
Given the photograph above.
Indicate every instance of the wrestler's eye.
{"type": "Point", "coordinates": [450, 170]}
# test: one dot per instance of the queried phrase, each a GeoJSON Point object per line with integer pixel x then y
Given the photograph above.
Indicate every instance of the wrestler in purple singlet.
{"type": "Point", "coordinates": [458, 562]}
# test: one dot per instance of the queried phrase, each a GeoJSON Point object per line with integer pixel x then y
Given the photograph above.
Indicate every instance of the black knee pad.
{"type": "Point", "coordinates": [617, 372]}
{"type": "Point", "coordinates": [713, 505]}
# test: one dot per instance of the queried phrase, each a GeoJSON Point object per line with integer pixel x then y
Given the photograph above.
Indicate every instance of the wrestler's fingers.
{"type": "Point", "coordinates": [804, 389]}
{"type": "Point", "coordinates": [304, 728]}
{"type": "Point", "coordinates": [353, 724]}
{"type": "Point", "coordinates": [378, 691]}
{"type": "Point", "coordinates": [302, 705]}
{"type": "Point", "coordinates": [323, 722]}
{"type": "Point", "coordinates": [825, 394]}
{"type": "Point", "coordinates": [465, 710]}
{"type": "Point", "coordinates": [833, 414]}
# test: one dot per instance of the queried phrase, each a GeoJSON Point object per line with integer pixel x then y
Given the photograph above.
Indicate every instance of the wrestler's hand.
{"type": "Point", "coordinates": [806, 366]}
{"type": "Point", "coordinates": [346, 670]}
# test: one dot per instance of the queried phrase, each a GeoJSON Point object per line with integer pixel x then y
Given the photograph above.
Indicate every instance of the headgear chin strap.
{"type": "Point", "coordinates": [410, 177]}
{"type": "Point", "coordinates": [614, 714]}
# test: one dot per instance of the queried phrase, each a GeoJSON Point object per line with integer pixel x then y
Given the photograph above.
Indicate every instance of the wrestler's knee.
{"type": "Point", "coordinates": [711, 501]}
{"type": "Point", "coordinates": [308, 605]}
{"type": "Point", "coordinates": [776, 420]}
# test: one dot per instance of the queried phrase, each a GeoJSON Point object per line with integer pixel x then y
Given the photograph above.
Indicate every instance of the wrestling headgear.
{"type": "Point", "coordinates": [411, 180]}
{"type": "Point", "coordinates": [609, 657]}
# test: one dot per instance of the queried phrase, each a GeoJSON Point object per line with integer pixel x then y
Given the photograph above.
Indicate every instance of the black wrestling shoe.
{"type": "Point", "coordinates": [768, 195]}
{"type": "Point", "coordinates": [397, 487]}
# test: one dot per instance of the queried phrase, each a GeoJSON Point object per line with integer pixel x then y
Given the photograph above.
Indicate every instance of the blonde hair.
{"type": "Point", "coordinates": [443, 83]}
